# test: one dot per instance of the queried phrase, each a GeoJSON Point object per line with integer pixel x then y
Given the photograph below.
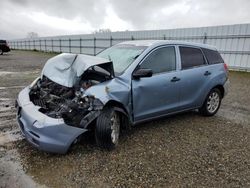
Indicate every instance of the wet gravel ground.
{"type": "Point", "coordinates": [185, 150]}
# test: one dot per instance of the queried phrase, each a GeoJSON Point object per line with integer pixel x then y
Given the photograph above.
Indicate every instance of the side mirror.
{"type": "Point", "coordinates": [141, 73]}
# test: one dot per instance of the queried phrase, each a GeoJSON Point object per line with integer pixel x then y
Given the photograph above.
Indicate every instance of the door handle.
{"type": "Point", "coordinates": [175, 79]}
{"type": "Point", "coordinates": [207, 73]}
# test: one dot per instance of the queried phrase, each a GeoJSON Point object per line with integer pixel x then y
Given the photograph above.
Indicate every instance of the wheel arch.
{"type": "Point", "coordinates": [117, 105]}
{"type": "Point", "coordinates": [221, 88]}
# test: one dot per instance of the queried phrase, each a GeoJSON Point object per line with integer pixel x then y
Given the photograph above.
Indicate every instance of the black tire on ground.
{"type": "Point", "coordinates": [212, 103]}
{"type": "Point", "coordinates": [108, 128]}
{"type": "Point", "coordinates": [1, 52]}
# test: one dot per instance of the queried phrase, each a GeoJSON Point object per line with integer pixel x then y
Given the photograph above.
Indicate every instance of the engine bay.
{"type": "Point", "coordinates": [70, 103]}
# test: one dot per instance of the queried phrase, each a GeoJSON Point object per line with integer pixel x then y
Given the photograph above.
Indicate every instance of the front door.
{"type": "Point", "coordinates": [159, 94]}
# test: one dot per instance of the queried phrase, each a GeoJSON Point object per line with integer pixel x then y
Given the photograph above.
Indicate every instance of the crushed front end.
{"type": "Point", "coordinates": [52, 116]}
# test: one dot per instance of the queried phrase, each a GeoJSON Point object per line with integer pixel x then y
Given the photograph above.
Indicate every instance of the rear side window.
{"type": "Point", "coordinates": [161, 60]}
{"type": "Point", "coordinates": [191, 57]}
{"type": "Point", "coordinates": [212, 56]}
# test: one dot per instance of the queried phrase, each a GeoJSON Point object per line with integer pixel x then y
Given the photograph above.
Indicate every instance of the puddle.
{"type": "Point", "coordinates": [6, 99]}
{"type": "Point", "coordinates": [12, 87]}
{"type": "Point", "coordinates": [6, 104]}
{"type": "Point", "coordinates": [12, 174]}
{"type": "Point", "coordinates": [10, 136]}
{"type": "Point", "coordinates": [237, 113]}
{"type": "Point", "coordinates": [4, 73]}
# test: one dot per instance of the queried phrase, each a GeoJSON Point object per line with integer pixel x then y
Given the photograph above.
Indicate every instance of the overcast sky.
{"type": "Point", "coordinates": [64, 17]}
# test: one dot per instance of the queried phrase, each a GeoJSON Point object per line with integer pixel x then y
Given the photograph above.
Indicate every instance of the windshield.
{"type": "Point", "coordinates": [122, 55]}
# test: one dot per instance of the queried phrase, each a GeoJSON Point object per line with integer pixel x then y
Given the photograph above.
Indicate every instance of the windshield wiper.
{"type": "Point", "coordinates": [136, 56]}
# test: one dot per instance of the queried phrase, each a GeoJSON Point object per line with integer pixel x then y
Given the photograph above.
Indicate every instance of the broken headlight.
{"type": "Point", "coordinates": [34, 82]}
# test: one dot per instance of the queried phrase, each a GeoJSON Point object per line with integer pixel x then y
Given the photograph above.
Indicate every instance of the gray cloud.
{"type": "Point", "coordinates": [139, 14]}
{"type": "Point", "coordinates": [143, 13]}
{"type": "Point", "coordinates": [84, 9]}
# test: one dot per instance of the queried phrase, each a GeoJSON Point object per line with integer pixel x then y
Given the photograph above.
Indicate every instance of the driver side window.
{"type": "Point", "coordinates": [161, 60]}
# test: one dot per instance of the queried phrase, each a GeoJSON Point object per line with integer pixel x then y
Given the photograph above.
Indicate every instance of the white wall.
{"type": "Point", "coordinates": [233, 41]}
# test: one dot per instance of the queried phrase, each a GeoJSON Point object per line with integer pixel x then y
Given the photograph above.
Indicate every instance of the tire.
{"type": "Point", "coordinates": [212, 103]}
{"type": "Point", "coordinates": [1, 52]}
{"type": "Point", "coordinates": [108, 129]}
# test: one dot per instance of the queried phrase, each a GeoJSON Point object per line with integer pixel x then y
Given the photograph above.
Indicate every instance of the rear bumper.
{"type": "Point", "coordinates": [52, 135]}
{"type": "Point", "coordinates": [226, 87]}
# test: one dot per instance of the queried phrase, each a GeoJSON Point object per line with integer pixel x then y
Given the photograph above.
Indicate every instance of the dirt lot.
{"type": "Point", "coordinates": [184, 150]}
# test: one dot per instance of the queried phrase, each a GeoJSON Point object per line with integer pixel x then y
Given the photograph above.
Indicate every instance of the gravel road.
{"type": "Point", "coordinates": [185, 150]}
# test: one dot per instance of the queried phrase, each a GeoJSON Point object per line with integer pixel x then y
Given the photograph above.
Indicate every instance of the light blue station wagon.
{"type": "Point", "coordinates": [126, 84]}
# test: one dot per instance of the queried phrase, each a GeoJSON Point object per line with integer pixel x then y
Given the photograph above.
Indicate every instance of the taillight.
{"type": "Point", "coordinates": [225, 67]}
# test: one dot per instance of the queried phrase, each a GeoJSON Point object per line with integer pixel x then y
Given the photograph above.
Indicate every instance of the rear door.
{"type": "Point", "coordinates": [159, 94]}
{"type": "Point", "coordinates": [195, 76]}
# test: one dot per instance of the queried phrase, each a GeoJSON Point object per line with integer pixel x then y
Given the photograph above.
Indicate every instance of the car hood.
{"type": "Point", "coordinates": [65, 68]}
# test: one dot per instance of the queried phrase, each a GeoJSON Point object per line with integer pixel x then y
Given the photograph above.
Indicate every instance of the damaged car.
{"type": "Point", "coordinates": [126, 84]}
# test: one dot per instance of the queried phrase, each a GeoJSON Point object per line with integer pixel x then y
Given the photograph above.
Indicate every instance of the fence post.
{"type": "Point", "coordinates": [40, 45]}
{"type": "Point", "coordinates": [132, 38]}
{"type": "Point", "coordinates": [80, 45]}
{"type": "Point", "coordinates": [52, 45]}
{"type": "Point", "coordinates": [45, 45]}
{"type": "Point", "coordinates": [164, 37]}
{"type": "Point", "coordinates": [69, 45]}
{"type": "Point", "coordinates": [34, 44]}
{"type": "Point", "coordinates": [94, 46]}
{"type": "Point", "coordinates": [205, 38]}
{"type": "Point", "coordinates": [111, 41]}
{"type": "Point", "coordinates": [60, 45]}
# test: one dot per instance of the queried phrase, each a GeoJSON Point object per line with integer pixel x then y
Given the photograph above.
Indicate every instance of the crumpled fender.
{"type": "Point", "coordinates": [117, 89]}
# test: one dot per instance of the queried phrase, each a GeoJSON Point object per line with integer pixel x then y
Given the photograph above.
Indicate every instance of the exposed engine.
{"type": "Point", "coordinates": [71, 104]}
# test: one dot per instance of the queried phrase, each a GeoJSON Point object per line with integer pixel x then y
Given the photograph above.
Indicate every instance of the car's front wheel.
{"type": "Point", "coordinates": [212, 103]}
{"type": "Point", "coordinates": [1, 52]}
{"type": "Point", "coordinates": [107, 130]}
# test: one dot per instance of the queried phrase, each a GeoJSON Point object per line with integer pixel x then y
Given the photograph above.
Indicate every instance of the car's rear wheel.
{"type": "Point", "coordinates": [212, 103]}
{"type": "Point", "coordinates": [107, 130]}
{"type": "Point", "coordinates": [1, 52]}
